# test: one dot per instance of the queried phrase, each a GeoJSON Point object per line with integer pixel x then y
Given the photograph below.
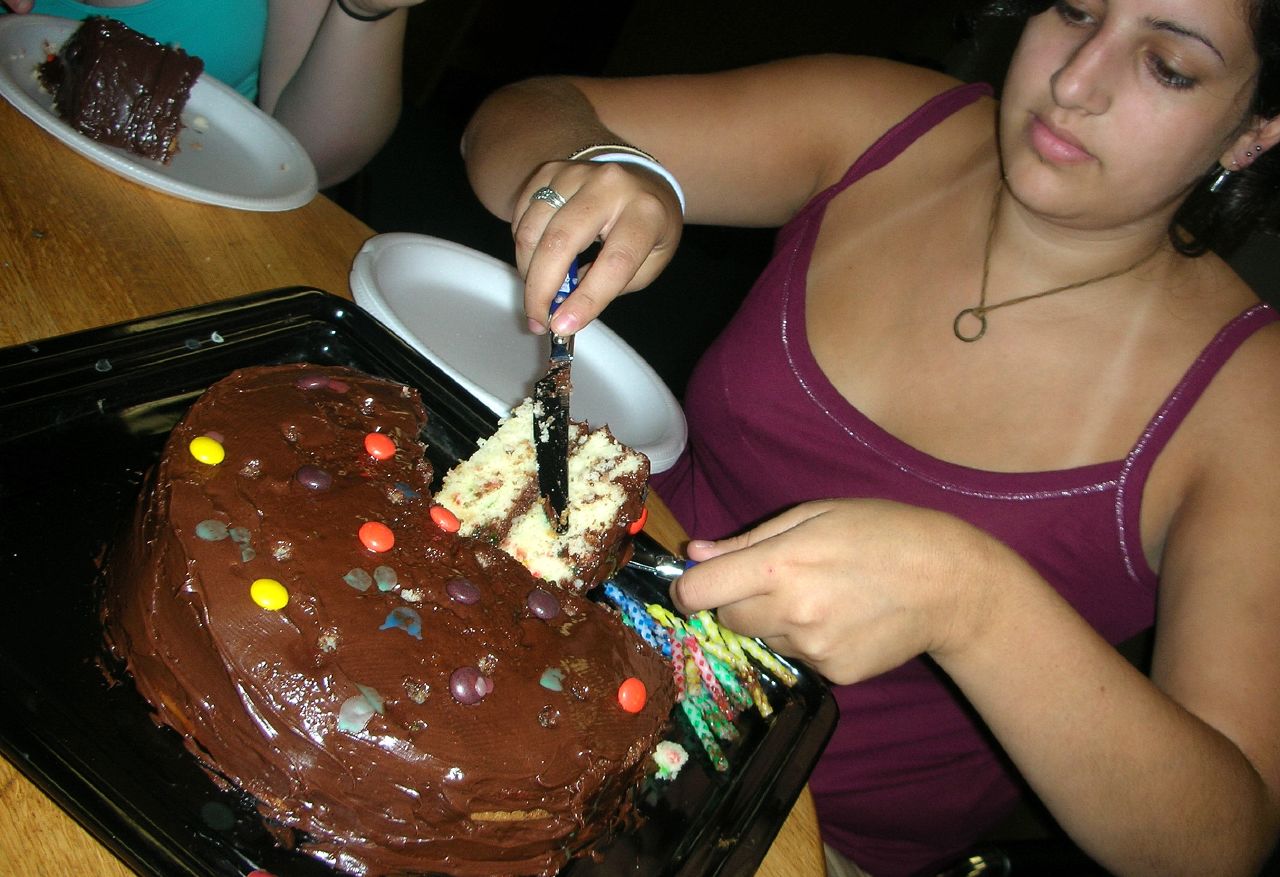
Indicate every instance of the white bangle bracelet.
{"type": "Point", "coordinates": [644, 160]}
{"type": "Point", "coordinates": [586, 152]}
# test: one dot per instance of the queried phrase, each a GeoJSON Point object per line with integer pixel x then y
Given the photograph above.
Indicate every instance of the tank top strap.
{"type": "Point", "coordinates": [1161, 427]}
{"type": "Point", "coordinates": [895, 141]}
{"type": "Point", "coordinates": [1200, 375]}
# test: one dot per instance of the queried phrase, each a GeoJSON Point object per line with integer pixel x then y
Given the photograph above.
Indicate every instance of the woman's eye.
{"type": "Point", "coordinates": [1071, 14]}
{"type": "Point", "coordinates": [1167, 76]}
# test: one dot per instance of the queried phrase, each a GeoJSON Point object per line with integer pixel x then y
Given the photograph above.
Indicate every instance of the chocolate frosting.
{"type": "Point", "coordinates": [427, 708]}
{"type": "Point", "coordinates": [121, 88]}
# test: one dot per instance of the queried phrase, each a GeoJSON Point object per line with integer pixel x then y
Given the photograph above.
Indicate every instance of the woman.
{"type": "Point", "coordinates": [328, 71]}
{"type": "Point", "coordinates": [980, 404]}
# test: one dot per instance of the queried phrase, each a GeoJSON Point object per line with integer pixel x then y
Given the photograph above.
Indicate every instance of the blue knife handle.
{"type": "Point", "coordinates": [569, 285]}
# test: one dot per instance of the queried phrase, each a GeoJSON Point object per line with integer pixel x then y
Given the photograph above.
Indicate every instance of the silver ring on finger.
{"type": "Point", "coordinates": [549, 195]}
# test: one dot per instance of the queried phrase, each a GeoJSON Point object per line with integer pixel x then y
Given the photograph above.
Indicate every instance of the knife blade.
{"type": "Point", "coordinates": [551, 417]}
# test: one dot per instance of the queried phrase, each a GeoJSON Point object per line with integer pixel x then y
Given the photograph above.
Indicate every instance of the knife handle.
{"type": "Point", "coordinates": [569, 285]}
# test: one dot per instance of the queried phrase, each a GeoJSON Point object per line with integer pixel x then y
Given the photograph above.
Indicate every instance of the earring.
{"type": "Point", "coordinates": [1220, 178]}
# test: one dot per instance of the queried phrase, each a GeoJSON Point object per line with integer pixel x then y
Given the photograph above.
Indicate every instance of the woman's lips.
{"type": "Point", "coordinates": [1056, 146]}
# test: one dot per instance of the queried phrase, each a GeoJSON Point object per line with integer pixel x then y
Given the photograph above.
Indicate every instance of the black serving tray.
{"type": "Point", "coordinates": [82, 417]}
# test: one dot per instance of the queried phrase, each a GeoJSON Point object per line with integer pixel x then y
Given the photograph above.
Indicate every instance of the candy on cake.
{"type": "Point", "coordinates": [395, 695]}
{"type": "Point", "coordinates": [121, 88]}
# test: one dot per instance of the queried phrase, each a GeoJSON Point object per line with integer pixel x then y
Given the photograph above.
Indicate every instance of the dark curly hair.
{"type": "Point", "coordinates": [1248, 199]}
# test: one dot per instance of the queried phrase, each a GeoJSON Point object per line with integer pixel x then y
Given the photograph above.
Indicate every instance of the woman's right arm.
{"type": "Point", "coordinates": [748, 147]}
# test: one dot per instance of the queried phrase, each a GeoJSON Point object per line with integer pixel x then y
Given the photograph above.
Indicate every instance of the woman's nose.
{"type": "Point", "coordinates": [1084, 80]}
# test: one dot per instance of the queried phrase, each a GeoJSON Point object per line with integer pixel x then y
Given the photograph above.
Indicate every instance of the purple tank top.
{"type": "Point", "coordinates": [910, 775]}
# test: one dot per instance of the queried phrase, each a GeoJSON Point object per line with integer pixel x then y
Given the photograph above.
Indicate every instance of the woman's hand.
{"type": "Point", "coordinates": [634, 213]}
{"type": "Point", "coordinates": [18, 5]}
{"type": "Point", "coordinates": [852, 587]}
{"type": "Point", "coordinates": [705, 129]}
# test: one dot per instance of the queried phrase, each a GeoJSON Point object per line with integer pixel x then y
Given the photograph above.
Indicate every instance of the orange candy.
{"type": "Point", "coordinates": [632, 695]}
{"type": "Point", "coordinates": [380, 446]}
{"type": "Point", "coordinates": [445, 519]}
{"type": "Point", "coordinates": [377, 536]}
{"type": "Point", "coordinates": [638, 524]}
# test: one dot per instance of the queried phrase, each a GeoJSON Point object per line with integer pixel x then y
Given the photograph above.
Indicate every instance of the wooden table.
{"type": "Point", "coordinates": [81, 247]}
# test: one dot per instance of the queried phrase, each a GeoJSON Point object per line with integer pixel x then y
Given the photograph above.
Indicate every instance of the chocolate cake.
{"type": "Point", "coordinates": [396, 696]}
{"type": "Point", "coordinates": [495, 495]}
{"type": "Point", "coordinates": [121, 88]}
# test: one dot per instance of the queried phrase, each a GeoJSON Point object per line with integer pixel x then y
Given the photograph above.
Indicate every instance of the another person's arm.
{"type": "Point", "coordinates": [334, 81]}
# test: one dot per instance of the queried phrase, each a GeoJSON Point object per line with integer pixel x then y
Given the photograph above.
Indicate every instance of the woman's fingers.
{"type": "Point", "coordinates": [747, 565]}
{"type": "Point", "coordinates": [546, 244]}
{"type": "Point", "coordinates": [559, 241]}
{"type": "Point", "coordinates": [605, 203]}
{"type": "Point", "coordinates": [708, 586]}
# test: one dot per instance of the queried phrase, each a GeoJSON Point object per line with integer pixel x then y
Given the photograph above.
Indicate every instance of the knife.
{"type": "Point", "coordinates": [551, 418]}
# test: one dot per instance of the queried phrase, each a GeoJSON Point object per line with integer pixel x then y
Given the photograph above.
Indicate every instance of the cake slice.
{"type": "Point", "coordinates": [495, 496]}
{"type": "Point", "coordinates": [121, 88]}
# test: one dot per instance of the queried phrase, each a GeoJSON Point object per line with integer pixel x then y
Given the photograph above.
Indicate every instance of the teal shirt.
{"type": "Point", "coordinates": [226, 34]}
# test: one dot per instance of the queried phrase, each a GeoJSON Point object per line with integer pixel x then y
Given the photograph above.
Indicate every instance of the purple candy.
{"type": "Point", "coordinates": [462, 591]}
{"type": "Point", "coordinates": [311, 382]}
{"type": "Point", "coordinates": [468, 686]}
{"type": "Point", "coordinates": [542, 604]}
{"type": "Point", "coordinates": [313, 478]}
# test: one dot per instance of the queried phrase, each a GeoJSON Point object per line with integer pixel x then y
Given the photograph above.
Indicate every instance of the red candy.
{"type": "Point", "coordinates": [445, 519]}
{"type": "Point", "coordinates": [632, 695]}
{"type": "Point", "coordinates": [380, 446]}
{"type": "Point", "coordinates": [638, 524]}
{"type": "Point", "coordinates": [377, 536]}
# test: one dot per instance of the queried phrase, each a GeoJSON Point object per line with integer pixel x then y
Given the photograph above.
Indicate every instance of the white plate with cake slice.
{"type": "Point", "coordinates": [463, 310]}
{"type": "Point", "coordinates": [230, 153]}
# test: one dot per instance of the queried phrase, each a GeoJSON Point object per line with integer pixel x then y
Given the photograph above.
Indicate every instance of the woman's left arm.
{"type": "Point", "coordinates": [333, 80]}
{"type": "Point", "coordinates": [1177, 774]}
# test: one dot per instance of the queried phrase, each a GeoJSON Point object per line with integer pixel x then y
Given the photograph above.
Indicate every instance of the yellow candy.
{"type": "Point", "coordinates": [269, 594]}
{"type": "Point", "coordinates": [207, 450]}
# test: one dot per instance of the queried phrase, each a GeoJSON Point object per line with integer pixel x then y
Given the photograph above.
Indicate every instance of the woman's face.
{"type": "Point", "coordinates": [1113, 109]}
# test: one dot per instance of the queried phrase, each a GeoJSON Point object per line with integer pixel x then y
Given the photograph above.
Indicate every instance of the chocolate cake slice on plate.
{"type": "Point", "coordinates": [121, 88]}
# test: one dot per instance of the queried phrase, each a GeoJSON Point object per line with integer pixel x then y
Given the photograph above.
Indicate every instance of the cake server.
{"type": "Point", "coordinates": [650, 557]}
{"type": "Point", "coordinates": [551, 417]}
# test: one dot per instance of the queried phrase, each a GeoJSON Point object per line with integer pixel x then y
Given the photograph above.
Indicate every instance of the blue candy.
{"type": "Point", "coordinates": [406, 619]}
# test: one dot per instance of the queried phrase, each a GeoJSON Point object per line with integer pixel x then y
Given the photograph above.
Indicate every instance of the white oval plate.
{"type": "Point", "coordinates": [463, 310]}
{"type": "Point", "coordinates": [230, 154]}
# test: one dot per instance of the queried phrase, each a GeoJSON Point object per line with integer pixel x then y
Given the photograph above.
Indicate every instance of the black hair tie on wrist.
{"type": "Point", "coordinates": [358, 17]}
